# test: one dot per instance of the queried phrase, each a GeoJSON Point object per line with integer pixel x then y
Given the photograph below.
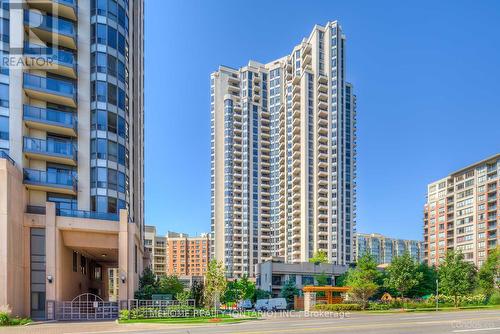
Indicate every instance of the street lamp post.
{"type": "Point", "coordinates": [437, 294]}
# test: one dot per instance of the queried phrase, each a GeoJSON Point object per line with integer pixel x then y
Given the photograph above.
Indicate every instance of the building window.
{"type": "Point", "coordinates": [4, 95]}
{"type": "Point", "coordinates": [4, 128]}
{"type": "Point", "coordinates": [75, 262]}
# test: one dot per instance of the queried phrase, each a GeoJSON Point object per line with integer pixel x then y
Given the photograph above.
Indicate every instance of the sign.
{"type": "Point", "coordinates": [164, 296]}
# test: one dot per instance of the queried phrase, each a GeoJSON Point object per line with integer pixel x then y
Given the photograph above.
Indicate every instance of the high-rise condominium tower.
{"type": "Point", "coordinates": [461, 213]}
{"type": "Point", "coordinates": [284, 157]}
{"type": "Point", "coordinates": [71, 151]}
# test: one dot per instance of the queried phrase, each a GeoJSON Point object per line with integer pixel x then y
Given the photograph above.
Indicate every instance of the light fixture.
{"type": "Point", "coordinates": [104, 255]}
{"type": "Point", "coordinates": [122, 277]}
{"type": "Point", "coordinates": [50, 278]}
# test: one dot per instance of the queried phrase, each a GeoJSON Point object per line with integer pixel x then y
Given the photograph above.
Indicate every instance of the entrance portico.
{"type": "Point", "coordinates": [48, 256]}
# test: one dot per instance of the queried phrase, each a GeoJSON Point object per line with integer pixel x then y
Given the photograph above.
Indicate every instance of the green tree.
{"type": "Point", "coordinates": [260, 294]}
{"type": "Point", "coordinates": [322, 279]}
{"type": "Point", "coordinates": [403, 274]}
{"type": "Point", "coordinates": [363, 280]}
{"type": "Point", "coordinates": [148, 284]}
{"type": "Point", "coordinates": [427, 285]}
{"type": "Point", "coordinates": [489, 273]}
{"type": "Point", "coordinates": [183, 297]}
{"type": "Point", "coordinates": [457, 277]}
{"type": "Point", "coordinates": [239, 290]}
{"type": "Point", "coordinates": [215, 283]}
{"type": "Point", "coordinates": [288, 291]}
{"type": "Point", "coordinates": [319, 257]}
{"type": "Point", "coordinates": [246, 287]}
{"type": "Point", "coordinates": [341, 280]}
{"type": "Point", "coordinates": [197, 293]}
{"type": "Point", "coordinates": [147, 278]}
{"type": "Point", "coordinates": [170, 284]}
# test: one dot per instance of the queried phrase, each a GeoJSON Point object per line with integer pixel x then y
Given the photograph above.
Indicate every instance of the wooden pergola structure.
{"type": "Point", "coordinates": [329, 291]}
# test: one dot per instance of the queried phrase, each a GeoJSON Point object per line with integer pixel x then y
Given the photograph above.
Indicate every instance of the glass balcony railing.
{"type": "Point", "coordinates": [4, 155]}
{"type": "Point", "coordinates": [87, 214]}
{"type": "Point", "coordinates": [49, 85]}
{"type": "Point", "coordinates": [71, 3]}
{"type": "Point", "coordinates": [49, 23]}
{"type": "Point", "coordinates": [63, 148]}
{"type": "Point", "coordinates": [51, 116]}
{"type": "Point", "coordinates": [50, 178]}
{"type": "Point", "coordinates": [62, 57]}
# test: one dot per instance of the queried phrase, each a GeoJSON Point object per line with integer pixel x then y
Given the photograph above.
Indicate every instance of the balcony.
{"type": "Point", "coordinates": [56, 61]}
{"type": "Point", "coordinates": [50, 90]}
{"type": "Point", "coordinates": [50, 120]}
{"type": "Point", "coordinates": [87, 214]}
{"type": "Point", "coordinates": [63, 8]}
{"type": "Point", "coordinates": [50, 29]}
{"type": "Point", "coordinates": [59, 151]}
{"type": "Point", "coordinates": [50, 181]}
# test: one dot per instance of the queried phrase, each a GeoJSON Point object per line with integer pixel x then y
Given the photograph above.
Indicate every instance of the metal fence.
{"type": "Point", "coordinates": [86, 307]}
{"type": "Point", "coordinates": [151, 309]}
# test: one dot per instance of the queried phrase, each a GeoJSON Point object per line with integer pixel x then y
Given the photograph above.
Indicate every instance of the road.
{"type": "Point", "coordinates": [418, 323]}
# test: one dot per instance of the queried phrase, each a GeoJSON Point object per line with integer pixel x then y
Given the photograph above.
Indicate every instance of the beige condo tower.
{"type": "Point", "coordinates": [284, 157]}
{"type": "Point", "coordinates": [71, 153]}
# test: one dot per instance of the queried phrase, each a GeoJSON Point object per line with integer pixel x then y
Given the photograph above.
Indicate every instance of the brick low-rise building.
{"type": "Point", "coordinates": [177, 253]}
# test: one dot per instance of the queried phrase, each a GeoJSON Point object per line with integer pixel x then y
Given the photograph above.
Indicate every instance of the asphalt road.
{"type": "Point", "coordinates": [419, 323]}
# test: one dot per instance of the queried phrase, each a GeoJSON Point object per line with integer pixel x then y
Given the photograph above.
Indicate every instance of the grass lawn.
{"type": "Point", "coordinates": [193, 320]}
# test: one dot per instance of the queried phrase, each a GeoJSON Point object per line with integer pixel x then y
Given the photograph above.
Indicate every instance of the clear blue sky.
{"type": "Point", "coordinates": [426, 73]}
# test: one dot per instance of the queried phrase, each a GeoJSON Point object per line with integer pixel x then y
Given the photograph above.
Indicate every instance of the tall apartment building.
{"type": "Point", "coordinates": [384, 248]}
{"type": "Point", "coordinates": [461, 213]}
{"type": "Point", "coordinates": [71, 151]}
{"type": "Point", "coordinates": [177, 253]}
{"type": "Point", "coordinates": [284, 157]}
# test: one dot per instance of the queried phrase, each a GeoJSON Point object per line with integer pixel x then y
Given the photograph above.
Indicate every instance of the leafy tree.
{"type": "Point", "coordinates": [427, 285]}
{"type": "Point", "coordinates": [147, 278]}
{"type": "Point", "coordinates": [489, 274]}
{"type": "Point", "coordinates": [170, 284]}
{"type": "Point", "coordinates": [288, 291]}
{"type": "Point", "coordinates": [322, 279]}
{"type": "Point", "coordinates": [341, 280]}
{"type": "Point", "coordinates": [457, 277]}
{"type": "Point", "coordinates": [182, 297]}
{"type": "Point", "coordinates": [239, 290]}
{"type": "Point", "coordinates": [319, 257]}
{"type": "Point", "coordinates": [197, 293]}
{"type": "Point", "coordinates": [246, 287]}
{"type": "Point", "coordinates": [363, 280]}
{"type": "Point", "coordinates": [403, 274]}
{"type": "Point", "coordinates": [260, 294]}
{"type": "Point", "coordinates": [148, 284]}
{"type": "Point", "coordinates": [215, 283]}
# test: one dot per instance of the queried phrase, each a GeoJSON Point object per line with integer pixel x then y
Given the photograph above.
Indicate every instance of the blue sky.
{"type": "Point", "coordinates": [426, 74]}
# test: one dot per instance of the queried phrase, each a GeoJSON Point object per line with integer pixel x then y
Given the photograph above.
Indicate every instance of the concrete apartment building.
{"type": "Point", "coordinates": [284, 157]}
{"type": "Point", "coordinates": [461, 213]}
{"type": "Point", "coordinates": [71, 152]}
{"type": "Point", "coordinates": [384, 248]}
{"type": "Point", "coordinates": [177, 253]}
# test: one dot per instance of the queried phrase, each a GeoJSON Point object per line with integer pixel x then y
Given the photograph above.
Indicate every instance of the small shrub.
{"type": "Point", "coordinates": [494, 298]}
{"type": "Point", "coordinates": [4, 319]}
{"type": "Point", "coordinates": [124, 315]}
{"type": "Point", "coordinates": [337, 307]}
{"type": "Point", "coordinates": [379, 306]}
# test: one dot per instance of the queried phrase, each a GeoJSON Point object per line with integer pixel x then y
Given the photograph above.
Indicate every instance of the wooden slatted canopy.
{"type": "Point", "coordinates": [312, 288]}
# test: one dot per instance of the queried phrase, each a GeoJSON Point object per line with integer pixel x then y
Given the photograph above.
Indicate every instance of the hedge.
{"type": "Point", "coordinates": [337, 307]}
